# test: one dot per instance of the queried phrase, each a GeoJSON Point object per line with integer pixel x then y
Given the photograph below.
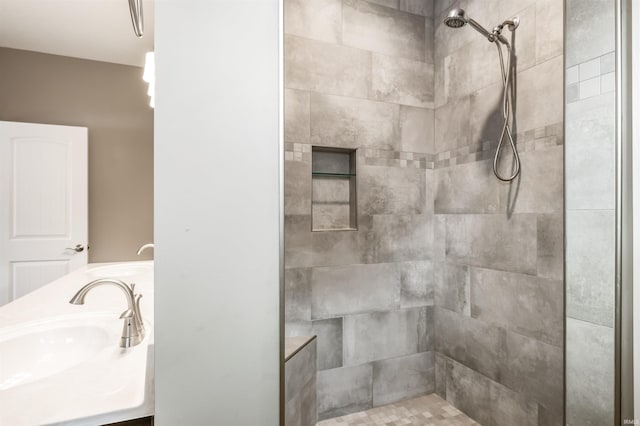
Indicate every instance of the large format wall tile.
{"type": "Point", "coordinates": [551, 246]}
{"type": "Point", "coordinates": [533, 110]}
{"type": "Point", "coordinates": [297, 294]}
{"type": "Point", "coordinates": [380, 335]}
{"type": "Point", "coordinates": [493, 241]}
{"type": "Point", "coordinates": [329, 334]}
{"type": "Point", "coordinates": [590, 33]}
{"type": "Point", "coordinates": [297, 368]}
{"type": "Point", "coordinates": [429, 47]}
{"type": "Point", "coordinates": [471, 342]}
{"type": "Point", "coordinates": [441, 375]}
{"type": "Point", "coordinates": [590, 265]}
{"type": "Point", "coordinates": [353, 123]}
{"type": "Point", "coordinates": [486, 401]}
{"type": "Point", "coordinates": [384, 30]}
{"type": "Point", "coordinates": [525, 304]}
{"type": "Point", "coordinates": [397, 238]}
{"type": "Point", "coordinates": [297, 114]}
{"type": "Point", "coordinates": [317, 19]}
{"type": "Point", "coordinates": [300, 387]}
{"type": "Point", "coordinates": [417, 7]}
{"type": "Point", "coordinates": [297, 241]}
{"type": "Point", "coordinates": [590, 374]}
{"type": "Point", "coordinates": [344, 390]}
{"type": "Point", "coordinates": [452, 289]}
{"type": "Point", "coordinates": [549, 29]}
{"type": "Point", "coordinates": [526, 35]}
{"type": "Point", "coordinates": [329, 339]}
{"type": "Point", "coordinates": [470, 68]}
{"type": "Point", "coordinates": [531, 368]}
{"type": "Point", "coordinates": [590, 150]}
{"type": "Point", "coordinates": [452, 133]}
{"type": "Point", "coordinates": [416, 129]}
{"type": "Point", "coordinates": [402, 81]}
{"type": "Point", "coordinates": [341, 290]}
{"type": "Point", "coordinates": [401, 378]}
{"type": "Point", "coordinates": [486, 119]}
{"type": "Point", "coordinates": [330, 248]}
{"type": "Point", "coordinates": [539, 187]}
{"type": "Point", "coordinates": [324, 67]}
{"type": "Point", "coordinates": [297, 181]}
{"type": "Point", "coordinates": [388, 3]}
{"type": "Point", "coordinates": [416, 284]}
{"type": "Point", "coordinates": [468, 188]}
{"type": "Point", "coordinates": [391, 190]}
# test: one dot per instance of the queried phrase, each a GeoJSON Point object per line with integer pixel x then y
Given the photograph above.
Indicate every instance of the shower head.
{"type": "Point", "coordinates": [456, 19]}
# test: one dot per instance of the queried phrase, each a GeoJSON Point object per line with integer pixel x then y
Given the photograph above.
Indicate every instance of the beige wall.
{"type": "Point", "coordinates": [110, 100]}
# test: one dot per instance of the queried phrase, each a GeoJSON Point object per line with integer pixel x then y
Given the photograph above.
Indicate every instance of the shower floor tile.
{"type": "Point", "coordinates": [430, 410]}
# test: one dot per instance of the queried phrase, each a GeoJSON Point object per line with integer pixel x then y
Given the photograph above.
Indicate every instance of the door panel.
{"type": "Point", "coordinates": [41, 188]}
{"type": "Point", "coordinates": [43, 205]}
{"type": "Point", "coordinates": [29, 276]}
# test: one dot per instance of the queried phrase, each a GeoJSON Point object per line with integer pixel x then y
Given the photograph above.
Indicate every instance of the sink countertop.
{"type": "Point", "coordinates": [112, 385]}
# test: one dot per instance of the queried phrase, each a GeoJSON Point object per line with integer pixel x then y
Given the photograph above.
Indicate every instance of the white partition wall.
{"type": "Point", "coordinates": [217, 212]}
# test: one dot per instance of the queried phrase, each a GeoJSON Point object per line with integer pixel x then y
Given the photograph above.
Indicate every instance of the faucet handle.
{"type": "Point", "coordinates": [126, 314]}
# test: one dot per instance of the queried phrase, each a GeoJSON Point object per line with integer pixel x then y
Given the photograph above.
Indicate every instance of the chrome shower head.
{"type": "Point", "coordinates": [456, 19]}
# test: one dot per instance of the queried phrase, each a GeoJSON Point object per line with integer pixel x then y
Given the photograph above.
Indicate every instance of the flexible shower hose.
{"type": "Point", "coordinates": [506, 110]}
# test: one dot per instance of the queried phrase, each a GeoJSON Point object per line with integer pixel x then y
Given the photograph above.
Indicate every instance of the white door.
{"type": "Point", "coordinates": [43, 205]}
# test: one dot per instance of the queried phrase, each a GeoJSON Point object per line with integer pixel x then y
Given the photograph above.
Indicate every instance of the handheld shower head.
{"type": "Point", "coordinates": [456, 19]}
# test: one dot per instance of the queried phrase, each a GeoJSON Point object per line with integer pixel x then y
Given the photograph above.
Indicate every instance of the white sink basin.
{"type": "Point", "coordinates": [41, 350]}
{"type": "Point", "coordinates": [63, 364]}
{"type": "Point", "coordinates": [120, 270]}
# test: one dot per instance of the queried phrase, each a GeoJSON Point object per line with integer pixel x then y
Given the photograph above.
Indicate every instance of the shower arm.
{"type": "Point", "coordinates": [491, 36]}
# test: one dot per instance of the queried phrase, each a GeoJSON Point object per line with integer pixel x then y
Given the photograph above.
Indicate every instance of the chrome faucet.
{"type": "Point", "coordinates": [133, 327]}
{"type": "Point", "coordinates": [144, 247]}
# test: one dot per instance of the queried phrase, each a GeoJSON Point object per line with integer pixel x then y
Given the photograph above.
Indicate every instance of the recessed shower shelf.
{"type": "Point", "coordinates": [333, 189]}
{"type": "Point", "coordinates": [333, 174]}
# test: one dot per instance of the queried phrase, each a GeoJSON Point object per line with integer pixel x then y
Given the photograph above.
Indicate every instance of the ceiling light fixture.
{"type": "Point", "coordinates": [149, 76]}
{"type": "Point", "coordinates": [137, 19]}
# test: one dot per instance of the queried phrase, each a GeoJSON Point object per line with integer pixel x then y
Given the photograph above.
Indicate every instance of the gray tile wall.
{"type": "Point", "coordinates": [590, 211]}
{"type": "Point", "coordinates": [498, 247]}
{"type": "Point", "coordinates": [453, 281]}
{"type": "Point", "coordinates": [360, 75]}
{"type": "Point", "coordinates": [300, 378]}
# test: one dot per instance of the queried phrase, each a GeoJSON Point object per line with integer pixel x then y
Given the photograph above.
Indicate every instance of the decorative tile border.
{"type": "Point", "coordinates": [530, 140]}
{"type": "Point", "coordinates": [591, 78]}
{"type": "Point", "coordinates": [414, 160]}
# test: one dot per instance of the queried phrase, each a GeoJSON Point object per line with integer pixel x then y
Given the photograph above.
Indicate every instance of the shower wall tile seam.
{"type": "Point", "coordinates": [364, 262]}
{"type": "Point", "coordinates": [505, 329]}
{"type": "Point", "coordinates": [361, 98]}
{"type": "Point", "coordinates": [372, 311]}
{"type": "Point", "coordinates": [586, 209]}
{"type": "Point", "coordinates": [520, 69]}
{"type": "Point", "coordinates": [590, 322]}
{"type": "Point", "coordinates": [500, 379]}
{"type": "Point", "coordinates": [390, 11]}
{"type": "Point", "coordinates": [514, 393]}
{"type": "Point", "coordinates": [430, 106]}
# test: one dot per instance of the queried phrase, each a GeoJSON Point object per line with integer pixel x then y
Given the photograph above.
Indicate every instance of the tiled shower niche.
{"type": "Point", "coordinates": [333, 189]}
